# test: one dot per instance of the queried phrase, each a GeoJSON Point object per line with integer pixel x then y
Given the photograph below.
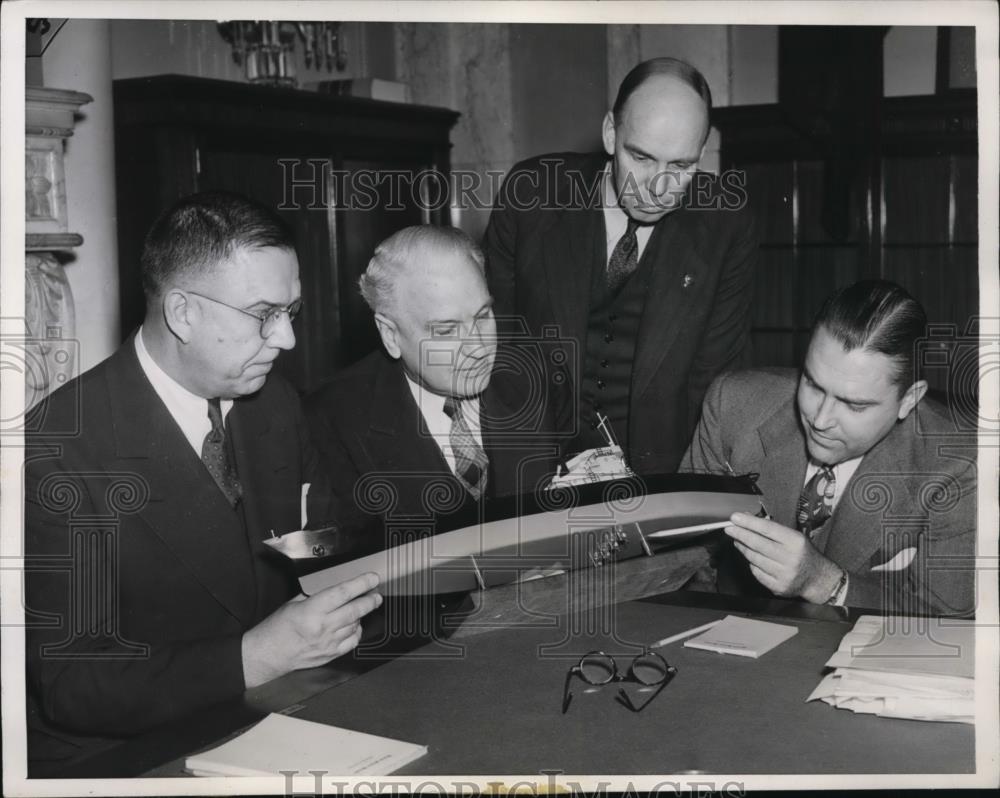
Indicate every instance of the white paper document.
{"type": "Point", "coordinates": [916, 668]}
{"type": "Point", "coordinates": [281, 743]}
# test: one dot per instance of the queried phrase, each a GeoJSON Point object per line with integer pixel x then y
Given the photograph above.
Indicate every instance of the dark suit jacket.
{"type": "Point", "coordinates": [544, 240]}
{"type": "Point", "coordinates": [371, 433]}
{"type": "Point", "coordinates": [181, 586]}
{"type": "Point", "coordinates": [915, 490]}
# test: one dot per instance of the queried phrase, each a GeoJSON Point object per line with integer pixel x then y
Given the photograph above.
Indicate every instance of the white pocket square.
{"type": "Point", "coordinates": [303, 501]}
{"type": "Point", "coordinates": [899, 562]}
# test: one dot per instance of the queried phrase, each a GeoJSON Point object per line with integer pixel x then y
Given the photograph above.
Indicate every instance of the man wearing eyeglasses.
{"type": "Point", "coordinates": [151, 484]}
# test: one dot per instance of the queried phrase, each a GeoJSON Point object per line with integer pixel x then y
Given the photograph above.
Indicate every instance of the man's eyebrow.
{"type": "Point", "coordinates": [634, 150]}
{"type": "Point", "coordinates": [436, 322]}
{"type": "Point", "coordinates": [845, 399]}
{"type": "Point", "coordinates": [639, 151]}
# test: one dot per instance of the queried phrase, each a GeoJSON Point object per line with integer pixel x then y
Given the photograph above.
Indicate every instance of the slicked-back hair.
{"type": "Point", "coordinates": [201, 231]}
{"type": "Point", "coordinates": [407, 249]}
{"type": "Point", "coordinates": [681, 70]}
{"type": "Point", "coordinates": [879, 316]}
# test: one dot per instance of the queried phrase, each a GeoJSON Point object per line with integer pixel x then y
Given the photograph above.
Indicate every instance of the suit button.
{"type": "Point", "coordinates": [613, 317]}
{"type": "Point", "coordinates": [597, 408]}
{"type": "Point", "coordinates": [604, 364]}
{"type": "Point", "coordinates": [600, 384]}
{"type": "Point", "coordinates": [609, 337]}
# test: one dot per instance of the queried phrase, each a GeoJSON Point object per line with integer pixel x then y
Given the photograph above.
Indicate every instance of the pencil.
{"type": "Point", "coordinates": [681, 635]}
{"type": "Point", "coordinates": [666, 533]}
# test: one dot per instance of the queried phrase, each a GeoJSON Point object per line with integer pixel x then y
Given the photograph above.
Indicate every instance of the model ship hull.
{"type": "Point", "coordinates": [518, 537]}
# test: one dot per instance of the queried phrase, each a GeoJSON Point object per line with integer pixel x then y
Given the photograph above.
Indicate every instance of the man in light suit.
{"type": "Point", "coordinates": [641, 263]}
{"type": "Point", "coordinates": [439, 417]}
{"type": "Point", "coordinates": [151, 483]}
{"type": "Point", "coordinates": [871, 490]}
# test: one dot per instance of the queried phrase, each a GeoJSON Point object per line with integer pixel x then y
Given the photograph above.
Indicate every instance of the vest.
{"type": "Point", "coordinates": [612, 332]}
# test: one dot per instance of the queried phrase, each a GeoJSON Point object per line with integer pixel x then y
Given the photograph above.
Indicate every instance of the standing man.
{"type": "Point", "coordinates": [871, 491]}
{"type": "Point", "coordinates": [151, 485]}
{"type": "Point", "coordinates": [642, 262]}
{"type": "Point", "coordinates": [439, 404]}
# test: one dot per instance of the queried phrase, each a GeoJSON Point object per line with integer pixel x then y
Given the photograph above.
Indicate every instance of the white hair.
{"type": "Point", "coordinates": [405, 250]}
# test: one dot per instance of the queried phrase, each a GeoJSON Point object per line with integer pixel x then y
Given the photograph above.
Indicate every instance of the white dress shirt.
{"type": "Point", "coordinates": [439, 424]}
{"type": "Point", "coordinates": [189, 411]}
{"type": "Point", "coordinates": [616, 220]}
{"type": "Point", "coordinates": [842, 473]}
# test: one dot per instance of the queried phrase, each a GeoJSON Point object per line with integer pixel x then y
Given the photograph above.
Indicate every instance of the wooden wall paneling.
{"type": "Point", "coordinates": [773, 347]}
{"type": "Point", "coordinates": [916, 193]}
{"type": "Point", "coordinates": [923, 175]}
{"type": "Point", "coordinates": [811, 182]}
{"type": "Point", "coordinates": [965, 170]}
{"type": "Point", "coordinates": [769, 188]}
{"type": "Point", "coordinates": [775, 290]}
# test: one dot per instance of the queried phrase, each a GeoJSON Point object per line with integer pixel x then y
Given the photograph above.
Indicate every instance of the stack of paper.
{"type": "Point", "coordinates": [279, 744]}
{"type": "Point", "coordinates": [917, 668]}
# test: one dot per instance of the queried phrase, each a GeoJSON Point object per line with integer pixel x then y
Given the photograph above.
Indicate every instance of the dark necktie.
{"type": "Point", "coordinates": [816, 501]}
{"type": "Point", "coordinates": [215, 456]}
{"type": "Point", "coordinates": [624, 258]}
{"type": "Point", "coordinates": [470, 459]}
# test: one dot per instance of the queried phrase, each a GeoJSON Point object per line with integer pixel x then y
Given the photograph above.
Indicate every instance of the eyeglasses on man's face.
{"type": "Point", "coordinates": [648, 669]}
{"type": "Point", "coordinates": [268, 319]}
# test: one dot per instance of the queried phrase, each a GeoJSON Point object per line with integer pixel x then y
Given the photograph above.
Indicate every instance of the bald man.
{"type": "Point", "coordinates": [640, 265]}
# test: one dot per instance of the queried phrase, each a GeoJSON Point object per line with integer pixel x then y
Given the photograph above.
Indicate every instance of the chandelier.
{"type": "Point", "coordinates": [266, 49]}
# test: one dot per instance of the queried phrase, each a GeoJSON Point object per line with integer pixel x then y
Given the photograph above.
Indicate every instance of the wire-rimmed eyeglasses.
{"type": "Point", "coordinates": [597, 668]}
{"type": "Point", "coordinates": [268, 319]}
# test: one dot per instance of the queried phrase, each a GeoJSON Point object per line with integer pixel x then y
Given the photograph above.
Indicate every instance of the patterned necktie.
{"type": "Point", "coordinates": [215, 456]}
{"type": "Point", "coordinates": [816, 501]}
{"type": "Point", "coordinates": [470, 459]}
{"type": "Point", "coordinates": [624, 258]}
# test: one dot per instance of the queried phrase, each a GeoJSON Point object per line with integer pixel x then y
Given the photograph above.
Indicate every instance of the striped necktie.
{"type": "Point", "coordinates": [470, 460]}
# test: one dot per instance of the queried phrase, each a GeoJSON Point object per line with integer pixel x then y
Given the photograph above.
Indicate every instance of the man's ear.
{"type": "Point", "coordinates": [178, 314]}
{"type": "Point", "coordinates": [912, 398]}
{"type": "Point", "coordinates": [389, 334]}
{"type": "Point", "coordinates": [608, 133]}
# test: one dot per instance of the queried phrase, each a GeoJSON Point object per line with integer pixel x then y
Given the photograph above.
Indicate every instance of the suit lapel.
{"type": "Point", "coordinates": [398, 438]}
{"type": "Point", "coordinates": [573, 246]}
{"type": "Point", "coordinates": [783, 465]}
{"type": "Point", "coordinates": [569, 256]}
{"type": "Point", "coordinates": [854, 534]}
{"type": "Point", "coordinates": [185, 509]}
{"type": "Point", "coordinates": [676, 273]}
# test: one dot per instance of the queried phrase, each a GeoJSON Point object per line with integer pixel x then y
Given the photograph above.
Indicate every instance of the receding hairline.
{"type": "Point", "coordinates": [675, 90]}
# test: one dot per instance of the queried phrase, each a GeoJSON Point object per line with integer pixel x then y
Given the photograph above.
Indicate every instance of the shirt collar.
{"type": "Point", "coordinates": [189, 410]}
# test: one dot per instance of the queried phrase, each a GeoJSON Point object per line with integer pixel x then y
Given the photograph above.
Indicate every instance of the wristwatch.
{"type": "Point", "coordinates": [836, 597]}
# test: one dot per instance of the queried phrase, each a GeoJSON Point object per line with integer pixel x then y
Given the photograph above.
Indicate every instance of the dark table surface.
{"type": "Point", "coordinates": [489, 701]}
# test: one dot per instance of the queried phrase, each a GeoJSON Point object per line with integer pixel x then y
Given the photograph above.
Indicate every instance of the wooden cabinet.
{"type": "Point", "coordinates": [344, 173]}
{"type": "Point", "coordinates": [908, 213]}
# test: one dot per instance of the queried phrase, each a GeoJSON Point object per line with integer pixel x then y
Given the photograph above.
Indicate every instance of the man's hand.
{"type": "Point", "coordinates": [783, 560]}
{"type": "Point", "coordinates": [308, 632]}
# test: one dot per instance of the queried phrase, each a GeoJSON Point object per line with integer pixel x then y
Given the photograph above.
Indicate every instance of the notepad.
{"type": "Point", "coordinates": [744, 637]}
{"type": "Point", "coordinates": [281, 743]}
